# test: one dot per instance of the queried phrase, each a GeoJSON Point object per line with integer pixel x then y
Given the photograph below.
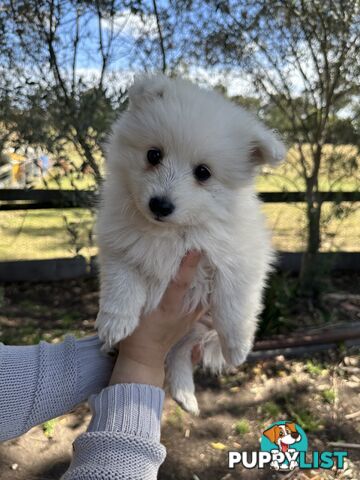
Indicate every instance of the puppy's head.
{"type": "Point", "coordinates": [184, 153]}
{"type": "Point", "coordinates": [283, 435]}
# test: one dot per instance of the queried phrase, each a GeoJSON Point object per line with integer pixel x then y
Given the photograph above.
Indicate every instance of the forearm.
{"type": "Point", "coordinates": [44, 381]}
{"type": "Point", "coordinates": [123, 438]}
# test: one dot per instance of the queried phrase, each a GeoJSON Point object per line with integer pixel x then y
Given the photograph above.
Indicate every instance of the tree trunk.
{"type": "Point", "coordinates": [310, 268]}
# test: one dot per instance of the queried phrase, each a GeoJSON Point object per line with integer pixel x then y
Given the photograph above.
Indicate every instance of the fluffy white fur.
{"type": "Point", "coordinates": [221, 217]}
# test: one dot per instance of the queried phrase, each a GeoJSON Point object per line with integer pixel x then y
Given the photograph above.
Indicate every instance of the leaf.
{"type": "Point", "coordinates": [234, 389]}
{"type": "Point", "coordinates": [218, 446]}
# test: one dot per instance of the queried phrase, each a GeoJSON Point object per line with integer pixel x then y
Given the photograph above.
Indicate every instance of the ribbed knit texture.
{"type": "Point", "coordinates": [44, 381]}
{"type": "Point", "coordinates": [129, 408]}
{"type": "Point", "coordinates": [122, 441]}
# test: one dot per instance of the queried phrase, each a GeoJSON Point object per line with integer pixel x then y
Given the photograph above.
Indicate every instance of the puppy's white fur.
{"type": "Point", "coordinates": [221, 217]}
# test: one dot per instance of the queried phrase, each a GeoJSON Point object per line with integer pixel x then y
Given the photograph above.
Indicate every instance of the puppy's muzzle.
{"type": "Point", "coordinates": [161, 206]}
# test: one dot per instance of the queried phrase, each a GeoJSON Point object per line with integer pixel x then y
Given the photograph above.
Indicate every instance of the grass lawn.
{"type": "Point", "coordinates": [43, 233]}
{"type": "Point", "coordinates": [56, 233]}
{"type": "Point", "coordinates": [31, 235]}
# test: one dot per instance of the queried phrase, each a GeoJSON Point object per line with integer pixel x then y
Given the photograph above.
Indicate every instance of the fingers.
{"type": "Point", "coordinates": [196, 354]}
{"type": "Point", "coordinates": [198, 313]}
{"type": "Point", "coordinates": [177, 288]}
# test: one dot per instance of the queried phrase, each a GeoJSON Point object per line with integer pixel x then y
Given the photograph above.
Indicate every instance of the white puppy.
{"type": "Point", "coordinates": [181, 163]}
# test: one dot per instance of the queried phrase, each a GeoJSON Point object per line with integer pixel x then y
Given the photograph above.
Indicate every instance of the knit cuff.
{"type": "Point", "coordinates": [129, 409]}
{"type": "Point", "coordinates": [94, 367]}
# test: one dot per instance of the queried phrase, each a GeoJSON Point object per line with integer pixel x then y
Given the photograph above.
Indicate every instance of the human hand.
{"type": "Point", "coordinates": [141, 356]}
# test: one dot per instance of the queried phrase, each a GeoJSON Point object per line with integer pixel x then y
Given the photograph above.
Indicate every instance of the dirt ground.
{"type": "Point", "coordinates": [320, 393]}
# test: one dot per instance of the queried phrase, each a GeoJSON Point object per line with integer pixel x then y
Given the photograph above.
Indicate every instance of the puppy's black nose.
{"type": "Point", "coordinates": [161, 206]}
{"type": "Point", "coordinates": [295, 434]}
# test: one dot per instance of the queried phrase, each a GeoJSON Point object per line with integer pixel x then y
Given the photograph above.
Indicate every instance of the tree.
{"type": "Point", "coordinates": [57, 88]}
{"type": "Point", "coordinates": [303, 59]}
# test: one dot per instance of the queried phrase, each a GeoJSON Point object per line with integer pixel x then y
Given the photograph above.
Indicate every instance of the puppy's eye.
{"type": "Point", "coordinates": [202, 173]}
{"type": "Point", "coordinates": [154, 156]}
{"type": "Point", "coordinates": [281, 433]}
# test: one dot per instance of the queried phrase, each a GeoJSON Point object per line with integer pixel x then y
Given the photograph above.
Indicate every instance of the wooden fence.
{"type": "Point", "coordinates": [57, 269]}
{"type": "Point", "coordinates": [12, 199]}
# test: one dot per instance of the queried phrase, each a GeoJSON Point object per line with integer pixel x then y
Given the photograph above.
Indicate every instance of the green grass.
{"type": "Point", "coordinates": [271, 409]}
{"type": "Point", "coordinates": [43, 234]}
{"type": "Point", "coordinates": [49, 427]}
{"type": "Point", "coordinates": [68, 182]}
{"type": "Point", "coordinates": [314, 368]}
{"type": "Point", "coordinates": [306, 419]}
{"type": "Point", "coordinates": [338, 172]}
{"type": "Point", "coordinates": [175, 418]}
{"type": "Point", "coordinates": [329, 395]}
{"type": "Point", "coordinates": [242, 427]}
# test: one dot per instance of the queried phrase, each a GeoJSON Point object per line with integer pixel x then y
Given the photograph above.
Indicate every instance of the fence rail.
{"type": "Point", "coordinates": [57, 269]}
{"type": "Point", "coordinates": [13, 199]}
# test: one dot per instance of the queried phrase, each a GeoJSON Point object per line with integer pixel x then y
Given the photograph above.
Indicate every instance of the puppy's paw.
{"type": "Point", "coordinates": [112, 328]}
{"type": "Point", "coordinates": [236, 355]}
{"type": "Point", "coordinates": [187, 401]}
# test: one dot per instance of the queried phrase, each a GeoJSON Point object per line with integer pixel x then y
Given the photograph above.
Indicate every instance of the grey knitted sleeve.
{"type": "Point", "coordinates": [41, 382]}
{"type": "Point", "coordinates": [44, 381]}
{"type": "Point", "coordinates": [123, 438]}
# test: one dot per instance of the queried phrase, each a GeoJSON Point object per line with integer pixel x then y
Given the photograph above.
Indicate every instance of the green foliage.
{"type": "Point", "coordinates": [299, 60]}
{"type": "Point", "coordinates": [304, 77]}
{"type": "Point", "coordinates": [329, 395]}
{"type": "Point", "coordinates": [242, 427]}
{"type": "Point", "coordinates": [175, 418]}
{"type": "Point", "coordinates": [271, 409]}
{"type": "Point", "coordinates": [68, 319]}
{"type": "Point", "coordinates": [315, 368]}
{"type": "Point", "coordinates": [278, 304]}
{"type": "Point", "coordinates": [342, 131]}
{"type": "Point", "coordinates": [55, 104]}
{"type": "Point", "coordinates": [306, 419]}
{"type": "Point", "coordinates": [49, 427]}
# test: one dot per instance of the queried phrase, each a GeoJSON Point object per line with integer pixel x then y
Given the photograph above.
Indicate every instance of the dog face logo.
{"type": "Point", "coordinates": [283, 435]}
{"type": "Point", "coordinates": [284, 440]}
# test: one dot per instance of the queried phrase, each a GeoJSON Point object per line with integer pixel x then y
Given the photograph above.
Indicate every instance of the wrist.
{"type": "Point", "coordinates": [130, 370]}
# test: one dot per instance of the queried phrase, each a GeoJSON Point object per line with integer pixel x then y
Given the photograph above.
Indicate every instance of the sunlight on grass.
{"type": "Point", "coordinates": [64, 233]}
{"type": "Point", "coordinates": [31, 235]}
{"type": "Point", "coordinates": [43, 233]}
{"type": "Point", "coordinates": [338, 171]}
{"type": "Point", "coordinates": [242, 426]}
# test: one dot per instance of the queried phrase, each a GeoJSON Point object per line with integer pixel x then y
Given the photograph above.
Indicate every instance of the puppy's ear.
{"type": "Point", "coordinates": [292, 426]}
{"type": "Point", "coordinates": [146, 89]}
{"type": "Point", "coordinates": [271, 433]}
{"type": "Point", "coordinates": [266, 147]}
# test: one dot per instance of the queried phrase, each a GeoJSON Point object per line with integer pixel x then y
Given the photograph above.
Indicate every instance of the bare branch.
{"type": "Point", "coordinates": [161, 40]}
{"type": "Point", "coordinates": [75, 51]}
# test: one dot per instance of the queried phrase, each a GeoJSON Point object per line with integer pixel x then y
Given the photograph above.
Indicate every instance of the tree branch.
{"type": "Point", "coordinates": [161, 40]}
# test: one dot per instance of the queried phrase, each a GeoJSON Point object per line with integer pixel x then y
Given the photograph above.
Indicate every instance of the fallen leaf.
{"type": "Point", "coordinates": [218, 445]}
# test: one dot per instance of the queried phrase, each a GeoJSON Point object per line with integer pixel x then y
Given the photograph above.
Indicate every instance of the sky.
{"type": "Point", "coordinates": [128, 28]}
